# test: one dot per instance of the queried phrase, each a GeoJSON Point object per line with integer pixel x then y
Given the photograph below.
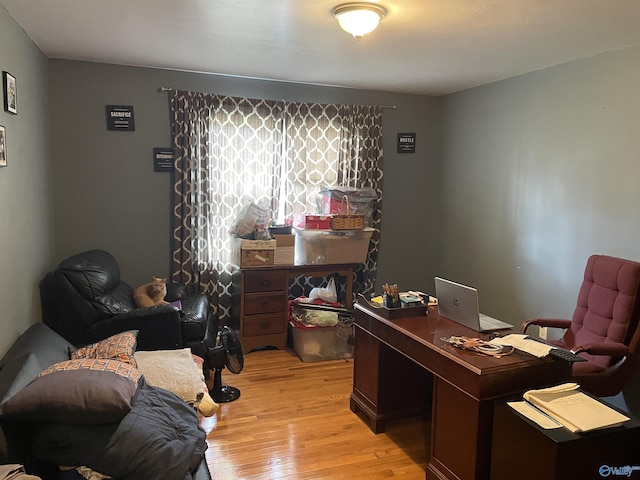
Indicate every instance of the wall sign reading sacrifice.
{"type": "Point", "coordinates": [120, 117]}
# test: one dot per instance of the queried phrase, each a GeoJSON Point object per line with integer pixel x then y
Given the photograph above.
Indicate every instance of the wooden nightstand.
{"type": "Point", "coordinates": [263, 308]}
{"type": "Point", "coordinates": [261, 300]}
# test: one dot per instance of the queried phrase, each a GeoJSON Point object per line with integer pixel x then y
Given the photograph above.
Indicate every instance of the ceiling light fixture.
{"type": "Point", "coordinates": [359, 18]}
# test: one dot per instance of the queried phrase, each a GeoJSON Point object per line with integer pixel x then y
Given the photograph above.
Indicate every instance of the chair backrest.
{"type": "Point", "coordinates": [81, 290]}
{"type": "Point", "coordinates": [608, 307]}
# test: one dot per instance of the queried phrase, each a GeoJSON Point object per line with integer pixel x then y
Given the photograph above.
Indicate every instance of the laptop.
{"type": "Point", "coordinates": [460, 303]}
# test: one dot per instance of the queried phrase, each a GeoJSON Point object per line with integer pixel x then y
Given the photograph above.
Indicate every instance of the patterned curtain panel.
{"type": "Point", "coordinates": [329, 146]}
{"type": "Point", "coordinates": [233, 151]}
{"type": "Point", "coordinates": [192, 131]}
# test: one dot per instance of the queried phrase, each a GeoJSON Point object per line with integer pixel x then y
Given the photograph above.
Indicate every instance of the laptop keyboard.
{"type": "Point", "coordinates": [493, 323]}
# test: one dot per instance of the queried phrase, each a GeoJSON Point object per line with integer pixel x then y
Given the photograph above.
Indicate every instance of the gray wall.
{"type": "Point", "coordinates": [539, 172]}
{"type": "Point", "coordinates": [107, 195]}
{"type": "Point", "coordinates": [26, 214]}
{"type": "Point", "coordinates": [511, 187]}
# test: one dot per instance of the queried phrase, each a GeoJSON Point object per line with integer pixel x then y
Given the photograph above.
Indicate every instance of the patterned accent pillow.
{"type": "Point", "coordinates": [120, 346]}
{"type": "Point", "coordinates": [124, 369]}
{"type": "Point", "coordinates": [83, 391]}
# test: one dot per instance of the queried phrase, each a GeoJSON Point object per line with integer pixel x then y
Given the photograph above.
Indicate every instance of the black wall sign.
{"type": "Point", "coordinates": [163, 159]}
{"type": "Point", "coordinates": [120, 117]}
{"type": "Point", "coordinates": [406, 143]}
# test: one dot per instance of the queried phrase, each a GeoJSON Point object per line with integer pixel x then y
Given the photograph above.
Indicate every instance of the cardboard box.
{"type": "Point", "coordinates": [324, 247]}
{"type": "Point", "coordinates": [285, 249]}
{"type": "Point", "coordinates": [312, 222]}
{"type": "Point", "coordinates": [253, 253]}
{"type": "Point", "coordinates": [285, 240]}
{"type": "Point", "coordinates": [256, 258]}
{"type": "Point", "coordinates": [257, 244]}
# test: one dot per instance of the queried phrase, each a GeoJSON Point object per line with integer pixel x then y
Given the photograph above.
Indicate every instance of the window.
{"type": "Point", "coordinates": [233, 151]}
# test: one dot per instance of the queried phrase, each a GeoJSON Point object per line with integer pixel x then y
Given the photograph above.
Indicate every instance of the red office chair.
{"type": "Point", "coordinates": [604, 328]}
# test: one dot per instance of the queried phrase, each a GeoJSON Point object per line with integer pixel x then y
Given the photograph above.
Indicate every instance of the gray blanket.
{"type": "Point", "coordinates": [159, 439]}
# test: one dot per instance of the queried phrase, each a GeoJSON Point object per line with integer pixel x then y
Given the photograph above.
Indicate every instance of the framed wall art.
{"type": "Point", "coordinates": [10, 93]}
{"type": "Point", "coordinates": [3, 146]}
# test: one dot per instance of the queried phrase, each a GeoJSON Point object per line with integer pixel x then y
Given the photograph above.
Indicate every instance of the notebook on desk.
{"type": "Point", "coordinates": [460, 303]}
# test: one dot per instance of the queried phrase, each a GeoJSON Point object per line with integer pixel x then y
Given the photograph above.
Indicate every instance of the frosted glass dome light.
{"type": "Point", "coordinates": [358, 19]}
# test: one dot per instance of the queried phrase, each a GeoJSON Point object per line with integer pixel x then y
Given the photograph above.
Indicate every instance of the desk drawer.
{"type": "Point", "coordinates": [257, 303]}
{"type": "Point", "coordinates": [265, 281]}
{"type": "Point", "coordinates": [257, 325]}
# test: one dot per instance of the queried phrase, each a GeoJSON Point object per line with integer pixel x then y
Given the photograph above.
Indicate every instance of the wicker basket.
{"type": "Point", "coordinates": [347, 220]}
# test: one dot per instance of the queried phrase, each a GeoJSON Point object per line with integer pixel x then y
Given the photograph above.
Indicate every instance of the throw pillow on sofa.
{"type": "Point", "coordinates": [85, 391]}
{"type": "Point", "coordinates": [120, 346]}
{"type": "Point", "coordinates": [178, 372]}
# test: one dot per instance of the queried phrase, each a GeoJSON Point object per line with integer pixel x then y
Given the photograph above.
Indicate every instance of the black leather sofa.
{"type": "Point", "coordinates": [43, 446]}
{"type": "Point", "coordinates": [84, 300]}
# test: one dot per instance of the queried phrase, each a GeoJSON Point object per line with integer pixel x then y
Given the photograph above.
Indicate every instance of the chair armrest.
{"type": "Point", "coordinates": [612, 349]}
{"type": "Point", "coordinates": [159, 328]}
{"type": "Point", "coordinates": [156, 311]}
{"type": "Point", "coordinates": [175, 291]}
{"type": "Point", "coordinates": [546, 322]}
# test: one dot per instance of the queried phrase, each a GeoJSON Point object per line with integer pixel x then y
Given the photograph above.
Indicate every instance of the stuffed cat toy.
{"type": "Point", "coordinates": [151, 294]}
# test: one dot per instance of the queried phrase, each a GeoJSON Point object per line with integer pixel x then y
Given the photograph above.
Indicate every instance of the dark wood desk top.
{"type": "Point", "coordinates": [481, 376]}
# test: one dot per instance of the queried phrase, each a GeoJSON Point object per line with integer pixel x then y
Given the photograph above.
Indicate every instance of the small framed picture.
{"type": "Point", "coordinates": [10, 93]}
{"type": "Point", "coordinates": [3, 146]}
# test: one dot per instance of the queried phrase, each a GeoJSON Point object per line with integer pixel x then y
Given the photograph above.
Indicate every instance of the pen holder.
{"type": "Point", "coordinates": [387, 301]}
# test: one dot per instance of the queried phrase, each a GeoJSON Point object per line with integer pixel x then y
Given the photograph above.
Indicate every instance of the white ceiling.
{"type": "Point", "coordinates": [431, 47]}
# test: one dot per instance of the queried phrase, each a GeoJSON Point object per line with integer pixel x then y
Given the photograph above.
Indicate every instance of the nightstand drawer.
{"type": "Point", "coordinates": [256, 303]}
{"type": "Point", "coordinates": [263, 325]}
{"type": "Point", "coordinates": [265, 281]}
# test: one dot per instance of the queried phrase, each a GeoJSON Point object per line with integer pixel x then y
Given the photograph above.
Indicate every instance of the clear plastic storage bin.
{"type": "Point", "coordinates": [324, 247]}
{"type": "Point", "coordinates": [313, 343]}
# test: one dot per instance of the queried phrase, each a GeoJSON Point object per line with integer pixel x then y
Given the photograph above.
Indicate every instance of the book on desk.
{"type": "Point", "coordinates": [574, 409]}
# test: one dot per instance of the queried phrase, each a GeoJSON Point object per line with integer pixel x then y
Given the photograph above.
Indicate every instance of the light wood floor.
{"type": "Point", "coordinates": [292, 421]}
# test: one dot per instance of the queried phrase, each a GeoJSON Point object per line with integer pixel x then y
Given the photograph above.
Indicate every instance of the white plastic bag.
{"type": "Point", "coordinates": [252, 216]}
{"type": "Point", "coordinates": [321, 318]}
{"type": "Point", "coordinates": [327, 294]}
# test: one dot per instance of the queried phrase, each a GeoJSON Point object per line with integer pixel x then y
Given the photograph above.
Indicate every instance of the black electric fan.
{"type": "Point", "coordinates": [226, 353]}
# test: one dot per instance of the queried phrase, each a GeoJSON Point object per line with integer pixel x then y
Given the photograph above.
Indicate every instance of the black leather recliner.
{"type": "Point", "coordinates": [84, 300]}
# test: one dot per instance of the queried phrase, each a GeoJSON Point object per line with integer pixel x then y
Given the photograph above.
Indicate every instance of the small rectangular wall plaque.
{"type": "Point", "coordinates": [406, 143]}
{"type": "Point", "coordinates": [120, 117]}
{"type": "Point", "coordinates": [163, 159]}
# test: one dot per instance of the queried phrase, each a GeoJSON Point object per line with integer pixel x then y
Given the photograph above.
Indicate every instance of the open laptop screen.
{"type": "Point", "coordinates": [459, 303]}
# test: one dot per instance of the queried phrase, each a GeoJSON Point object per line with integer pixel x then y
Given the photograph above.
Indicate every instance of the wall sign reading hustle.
{"type": "Point", "coordinates": [406, 143]}
{"type": "Point", "coordinates": [120, 117]}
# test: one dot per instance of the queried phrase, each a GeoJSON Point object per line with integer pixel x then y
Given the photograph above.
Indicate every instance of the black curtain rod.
{"type": "Point", "coordinates": [169, 89]}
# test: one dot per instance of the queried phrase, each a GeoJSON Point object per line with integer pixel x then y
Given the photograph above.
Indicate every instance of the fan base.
{"type": "Point", "coordinates": [225, 394]}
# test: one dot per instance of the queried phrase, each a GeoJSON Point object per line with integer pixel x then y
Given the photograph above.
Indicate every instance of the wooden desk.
{"type": "Point", "coordinates": [261, 295]}
{"type": "Point", "coordinates": [394, 359]}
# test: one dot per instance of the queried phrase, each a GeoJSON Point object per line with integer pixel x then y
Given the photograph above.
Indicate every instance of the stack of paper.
{"type": "Point", "coordinates": [574, 409]}
{"type": "Point", "coordinates": [522, 342]}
